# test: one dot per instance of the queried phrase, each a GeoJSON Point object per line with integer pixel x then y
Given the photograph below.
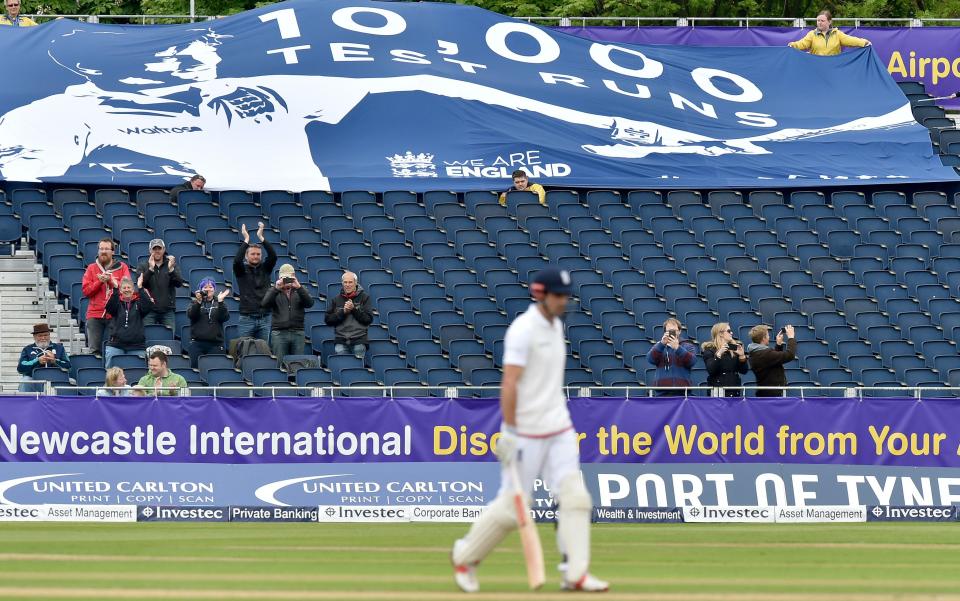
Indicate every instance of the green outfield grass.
{"type": "Point", "coordinates": [410, 561]}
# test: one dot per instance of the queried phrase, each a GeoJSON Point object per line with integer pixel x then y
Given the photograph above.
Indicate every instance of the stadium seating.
{"type": "Point", "coordinates": [868, 276]}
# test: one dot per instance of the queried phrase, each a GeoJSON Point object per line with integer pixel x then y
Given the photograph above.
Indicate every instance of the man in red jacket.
{"type": "Point", "coordinates": [102, 276]}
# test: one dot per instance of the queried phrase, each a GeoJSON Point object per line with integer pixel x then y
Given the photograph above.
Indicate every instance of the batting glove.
{"type": "Point", "coordinates": [507, 445]}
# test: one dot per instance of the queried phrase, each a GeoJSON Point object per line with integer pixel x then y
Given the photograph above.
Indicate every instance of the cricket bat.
{"type": "Point", "coordinates": [532, 551]}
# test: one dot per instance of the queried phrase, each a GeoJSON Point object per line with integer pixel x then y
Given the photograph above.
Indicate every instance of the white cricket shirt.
{"type": "Point", "coordinates": [538, 345]}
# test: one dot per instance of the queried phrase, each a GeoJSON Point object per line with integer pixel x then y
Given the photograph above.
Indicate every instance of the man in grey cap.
{"type": "Point", "coordinates": [161, 277]}
{"type": "Point", "coordinates": [287, 301]}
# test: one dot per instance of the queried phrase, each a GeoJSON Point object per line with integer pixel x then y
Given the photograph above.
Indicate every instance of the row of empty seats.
{"type": "Point", "coordinates": [867, 276]}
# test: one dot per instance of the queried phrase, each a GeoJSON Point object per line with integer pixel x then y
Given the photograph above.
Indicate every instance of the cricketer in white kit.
{"type": "Point", "coordinates": [538, 434]}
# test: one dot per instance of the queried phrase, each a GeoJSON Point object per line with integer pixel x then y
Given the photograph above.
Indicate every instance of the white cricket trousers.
{"type": "Point", "coordinates": [552, 458]}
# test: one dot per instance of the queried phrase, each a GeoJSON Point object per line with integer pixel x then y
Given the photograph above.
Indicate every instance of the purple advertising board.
{"type": "Point", "coordinates": [927, 54]}
{"type": "Point", "coordinates": [892, 432]}
{"type": "Point", "coordinates": [432, 452]}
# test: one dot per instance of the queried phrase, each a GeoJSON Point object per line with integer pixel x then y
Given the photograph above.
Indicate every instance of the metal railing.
{"type": "Point", "coordinates": [128, 19]}
{"type": "Point", "coordinates": [798, 22]}
{"type": "Point", "coordinates": [451, 392]}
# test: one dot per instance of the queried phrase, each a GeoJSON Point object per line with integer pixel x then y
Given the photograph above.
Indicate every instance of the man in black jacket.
{"type": "Point", "coordinates": [351, 314]}
{"type": "Point", "coordinates": [128, 310]}
{"type": "Point", "coordinates": [767, 363]}
{"type": "Point", "coordinates": [254, 277]}
{"type": "Point", "coordinates": [197, 182]}
{"type": "Point", "coordinates": [161, 277]}
{"type": "Point", "coordinates": [287, 300]}
{"type": "Point", "coordinates": [207, 314]}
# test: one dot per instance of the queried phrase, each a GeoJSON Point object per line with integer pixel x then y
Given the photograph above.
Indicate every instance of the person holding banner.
{"type": "Point", "coordinates": [13, 17]}
{"type": "Point", "coordinates": [827, 40]}
{"type": "Point", "coordinates": [536, 439]}
{"type": "Point", "coordinates": [522, 183]}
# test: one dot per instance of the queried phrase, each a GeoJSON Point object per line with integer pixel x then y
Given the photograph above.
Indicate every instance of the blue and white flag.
{"type": "Point", "coordinates": [339, 94]}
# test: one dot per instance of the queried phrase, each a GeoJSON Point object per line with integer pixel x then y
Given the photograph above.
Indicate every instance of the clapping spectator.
{"type": "Point", "coordinates": [99, 282]}
{"type": "Point", "coordinates": [350, 314]}
{"type": "Point", "coordinates": [287, 301]}
{"type": "Point", "coordinates": [115, 384]}
{"type": "Point", "coordinates": [767, 363]}
{"type": "Point", "coordinates": [128, 310]}
{"type": "Point", "coordinates": [161, 277]}
{"type": "Point", "coordinates": [254, 278]}
{"type": "Point", "coordinates": [159, 379]}
{"type": "Point", "coordinates": [207, 314]}
{"type": "Point", "coordinates": [42, 353]}
{"type": "Point", "coordinates": [725, 359]}
{"type": "Point", "coordinates": [674, 357]}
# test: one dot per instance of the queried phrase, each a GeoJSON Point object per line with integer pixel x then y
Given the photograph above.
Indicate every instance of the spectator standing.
{"type": "Point", "coordinates": [42, 353]}
{"type": "Point", "coordinates": [351, 315]}
{"type": "Point", "coordinates": [521, 183]}
{"type": "Point", "coordinates": [129, 308]}
{"type": "Point", "coordinates": [254, 278]}
{"type": "Point", "coordinates": [13, 17]}
{"type": "Point", "coordinates": [207, 314]}
{"type": "Point", "coordinates": [99, 282]}
{"type": "Point", "coordinates": [287, 301]}
{"type": "Point", "coordinates": [197, 182]}
{"type": "Point", "coordinates": [161, 278]}
{"type": "Point", "coordinates": [827, 40]}
{"type": "Point", "coordinates": [725, 359]}
{"type": "Point", "coordinates": [115, 384]}
{"type": "Point", "coordinates": [767, 363]}
{"type": "Point", "coordinates": [674, 358]}
{"type": "Point", "coordinates": [159, 379]}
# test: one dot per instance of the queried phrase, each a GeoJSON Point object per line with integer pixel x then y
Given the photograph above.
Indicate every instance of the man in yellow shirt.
{"type": "Point", "coordinates": [827, 40]}
{"type": "Point", "coordinates": [12, 17]}
{"type": "Point", "coordinates": [522, 183]}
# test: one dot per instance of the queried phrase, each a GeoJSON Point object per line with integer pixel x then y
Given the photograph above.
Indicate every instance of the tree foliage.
{"type": "Point", "coordinates": [554, 8]}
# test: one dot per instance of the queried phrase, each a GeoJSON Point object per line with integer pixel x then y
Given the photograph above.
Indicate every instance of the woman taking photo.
{"type": "Point", "coordinates": [725, 360]}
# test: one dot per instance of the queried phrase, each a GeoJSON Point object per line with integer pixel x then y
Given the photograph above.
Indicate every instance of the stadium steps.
{"type": "Point", "coordinates": [26, 299]}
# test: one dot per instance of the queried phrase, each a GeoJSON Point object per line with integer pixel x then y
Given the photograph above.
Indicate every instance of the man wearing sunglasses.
{"type": "Point", "coordinates": [12, 16]}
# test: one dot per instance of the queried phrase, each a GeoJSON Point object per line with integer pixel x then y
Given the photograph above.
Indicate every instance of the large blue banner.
{"type": "Point", "coordinates": [416, 96]}
{"type": "Point", "coordinates": [298, 452]}
{"type": "Point", "coordinates": [927, 54]}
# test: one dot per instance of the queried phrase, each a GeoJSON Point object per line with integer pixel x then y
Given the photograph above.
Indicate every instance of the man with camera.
{"type": "Point", "coordinates": [207, 314]}
{"type": "Point", "coordinates": [253, 276]}
{"type": "Point", "coordinates": [287, 301]}
{"type": "Point", "coordinates": [674, 358]}
{"type": "Point", "coordinates": [767, 363]}
{"type": "Point", "coordinates": [42, 353]}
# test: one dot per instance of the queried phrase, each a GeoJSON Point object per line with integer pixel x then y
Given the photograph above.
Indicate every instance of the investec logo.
{"type": "Point", "coordinates": [159, 130]}
{"type": "Point", "coordinates": [728, 514]}
{"type": "Point", "coordinates": [178, 514]}
{"type": "Point", "coordinates": [919, 513]}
